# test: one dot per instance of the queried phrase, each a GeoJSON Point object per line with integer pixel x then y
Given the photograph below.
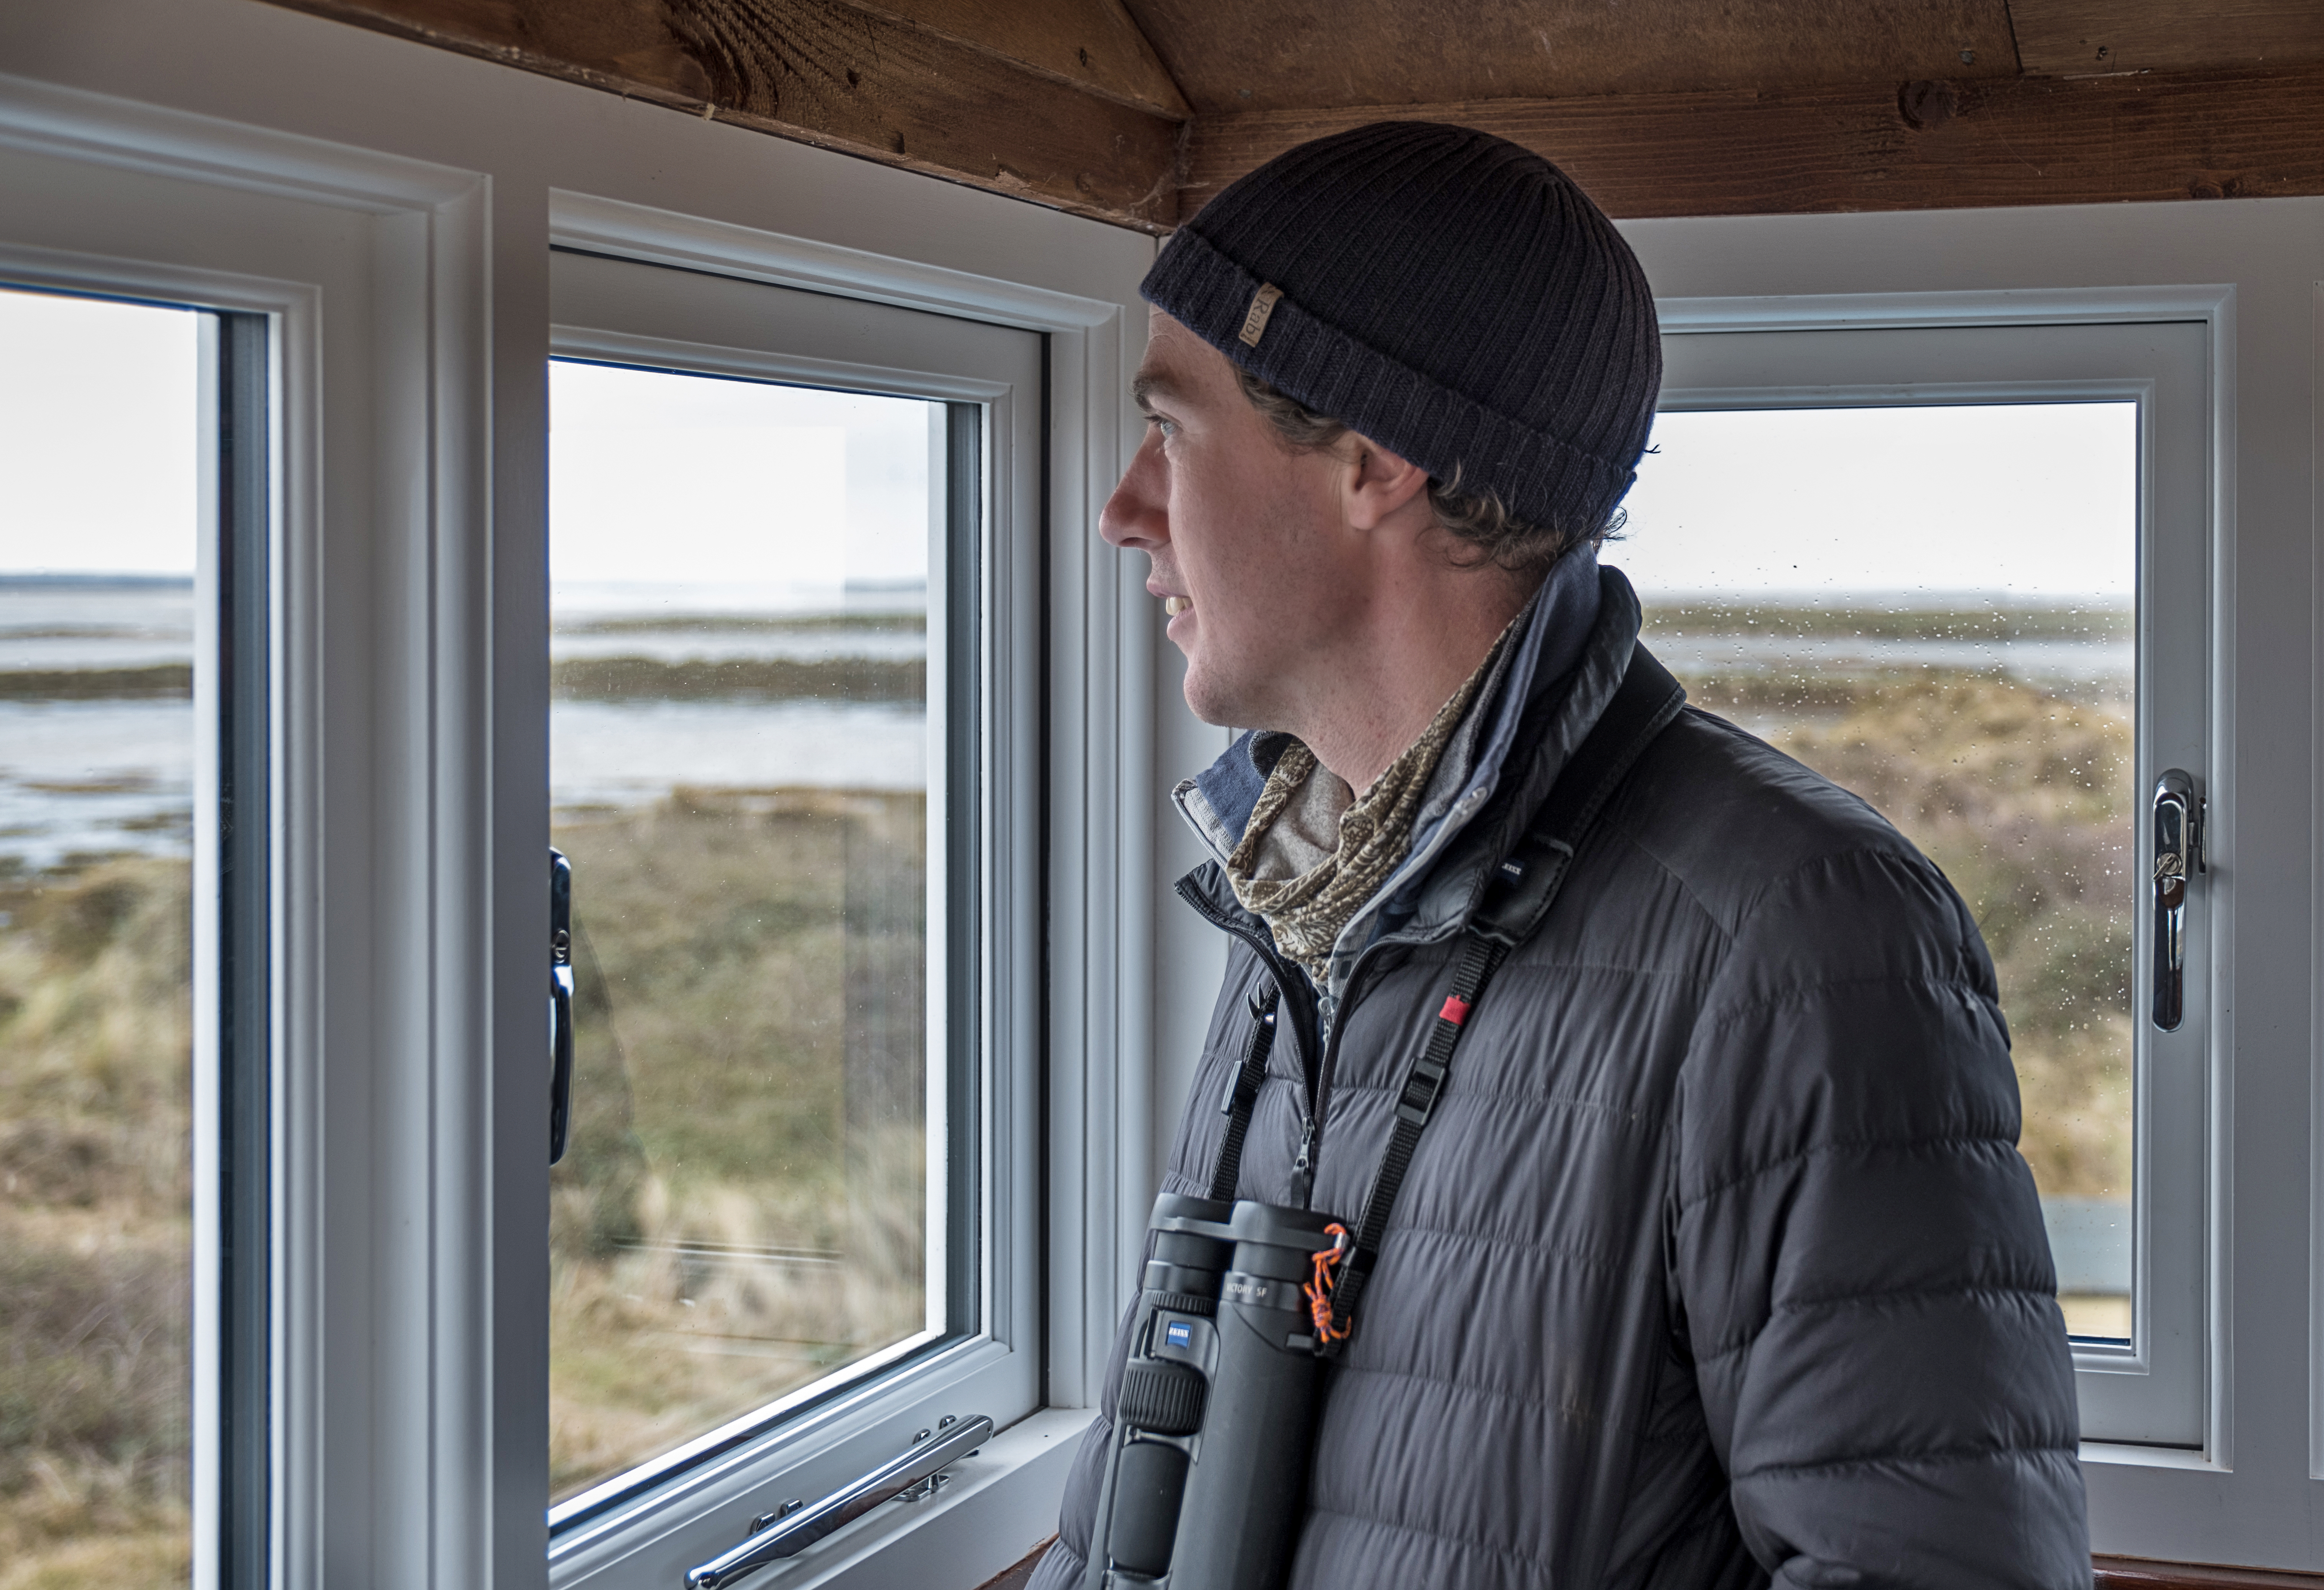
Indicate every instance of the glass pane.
{"type": "Point", "coordinates": [741, 750]}
{"type": "Point", "coordinates": [99, 515]}
{"type": "Point", "coordinates": [1936, 608]}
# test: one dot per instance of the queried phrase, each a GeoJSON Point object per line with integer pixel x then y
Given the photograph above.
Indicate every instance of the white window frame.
{"type": "Point", "coordinates": [2051, 347]}
{"type": "Point", "coordinates": [378, 1021]}
{"type": "Point", "coordinates": [630, 312]}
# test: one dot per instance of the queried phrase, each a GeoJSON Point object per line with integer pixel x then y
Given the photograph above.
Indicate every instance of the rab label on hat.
{"type": "Point", "coordinates": [1262, 305]}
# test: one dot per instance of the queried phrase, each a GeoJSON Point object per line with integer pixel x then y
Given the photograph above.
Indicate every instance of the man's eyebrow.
{"type": "Point", "coordinates": [1149, 384]}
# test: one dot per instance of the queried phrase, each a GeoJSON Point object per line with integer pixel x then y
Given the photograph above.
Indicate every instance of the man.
{"type": "Point", "coordinates": [1716, 1264]}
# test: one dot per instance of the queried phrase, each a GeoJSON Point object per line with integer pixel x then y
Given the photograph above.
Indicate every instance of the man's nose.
{"type": "Point", "coordinates": [1136, 516]}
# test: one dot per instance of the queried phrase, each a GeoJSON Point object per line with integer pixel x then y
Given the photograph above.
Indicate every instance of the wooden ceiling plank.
{"type": "Point", "coordinates": [1092, 45]}
{"type": "Point", "coordinates": [2074, 38]}
{"type": "Point", "coordinates": [1305, 55]}
{"type": "Point", "coordinates": [1968, 144]}
{"type": "Point", "coordinates": [827, 73]}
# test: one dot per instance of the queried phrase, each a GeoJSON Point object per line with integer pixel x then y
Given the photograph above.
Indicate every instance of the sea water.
{"type": "Point", "coordinates": [89, 769]}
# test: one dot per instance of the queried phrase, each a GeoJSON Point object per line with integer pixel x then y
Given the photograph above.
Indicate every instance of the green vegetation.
{"type": "Point", "coordinates": [96, 684]}
{"type": "Point", "coordinates": [743, 1204]}
{"type": "Point", "coordinates": [742, 679]}
{"type": "Point", "coordinates": [764, 623]}
{"type": "Point", "coordinates": [1996, 623]}
{"type": "Point", "coordinates": [95, 1243]}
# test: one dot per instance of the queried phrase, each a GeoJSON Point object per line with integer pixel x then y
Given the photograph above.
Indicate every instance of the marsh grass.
{"type": "Point", "coordinates": [634, 679]}
{"type": "Point", "coordinates": [1897, 621]}
{"type": "Point", "coordinates": [769, 624]}
{"type": "Point", "coordinates": [726, 1227]}
{"type": "Point", "coordinates": [96, 684]}
{"type": "Point", "coordinates": [95, 1237]}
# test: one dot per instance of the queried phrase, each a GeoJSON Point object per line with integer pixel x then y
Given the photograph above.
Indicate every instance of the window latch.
{"type": "Point", "coordinates": [2178, 859]}
{"type": "Point", "coordinates": [560, 1002]}
{"type": "Point", "coordinates": [793, 1528]}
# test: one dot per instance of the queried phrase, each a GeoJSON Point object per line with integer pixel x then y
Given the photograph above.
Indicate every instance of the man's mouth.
{"type": "Point", "coordinates": [1174, 605]}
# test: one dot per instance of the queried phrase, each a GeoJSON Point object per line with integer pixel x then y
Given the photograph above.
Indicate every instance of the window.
{"type": "Point", "coordinates": [788, 772]}
{"type": "Point", "coordinates": [133, 973]}
{"type": "Point", "coordinates": [1961, 572]}
{"type": "Point", "coordinates": [742, 744]}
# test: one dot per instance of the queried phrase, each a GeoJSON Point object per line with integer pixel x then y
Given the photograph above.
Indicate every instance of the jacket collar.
{"type": "Point", "coordinates": [1553, 683]}
{"type": "Point", "coordinates": [1217, 801]}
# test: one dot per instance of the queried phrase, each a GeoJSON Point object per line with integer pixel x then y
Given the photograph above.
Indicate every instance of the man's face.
{"type": "Point", "coordinates": [1244, 527]}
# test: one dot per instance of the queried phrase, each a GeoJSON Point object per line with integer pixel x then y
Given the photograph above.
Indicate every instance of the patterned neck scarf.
{"type": "Point", "coordinates": [1315, 851]}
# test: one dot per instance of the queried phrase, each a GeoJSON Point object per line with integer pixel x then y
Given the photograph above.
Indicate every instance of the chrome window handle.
{"type": "Point", "coordinates": [793, 1528]}
{"type": "Point", "coordinates": [2177, 858]}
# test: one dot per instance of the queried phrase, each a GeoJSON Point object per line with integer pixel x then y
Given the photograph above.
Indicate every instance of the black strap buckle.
{"type": "Point", "coordinates": [1422, 1084]}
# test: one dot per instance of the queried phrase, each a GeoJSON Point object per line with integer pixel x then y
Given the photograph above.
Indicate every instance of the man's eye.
{"type": "Point", "coordinates": [1169, 427]}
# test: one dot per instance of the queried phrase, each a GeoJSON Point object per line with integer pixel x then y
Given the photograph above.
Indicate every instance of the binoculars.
{"type": "Point", "coordinates": [1207, 1478]}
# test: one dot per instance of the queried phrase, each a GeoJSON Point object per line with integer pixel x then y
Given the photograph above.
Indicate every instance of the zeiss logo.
{"type": "Point", "coordinates": [1178, 1333]}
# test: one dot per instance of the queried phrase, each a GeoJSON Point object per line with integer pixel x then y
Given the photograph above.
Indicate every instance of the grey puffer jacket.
{"type": "Point", "coordinates": [1717, 1265]}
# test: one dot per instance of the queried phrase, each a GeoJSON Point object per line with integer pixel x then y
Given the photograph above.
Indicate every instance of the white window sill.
{"type": "Point", "coordinates": [2132, 1455]}
{"type": "Point", "coordinates": [1000, 1504]}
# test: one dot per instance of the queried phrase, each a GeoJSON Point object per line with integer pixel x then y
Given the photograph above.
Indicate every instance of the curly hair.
{"type": "Point", "coordinates": [1476, 519]}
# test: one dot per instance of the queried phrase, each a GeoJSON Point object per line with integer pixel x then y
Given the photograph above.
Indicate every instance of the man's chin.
{"type": "Point", "coordinates": [1207, 701]}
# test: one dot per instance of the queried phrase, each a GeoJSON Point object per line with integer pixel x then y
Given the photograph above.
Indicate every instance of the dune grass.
{"type": "Point", "coordinates": [95, 1236]}
{"type": "Point", "coordinates": [729, 1225]}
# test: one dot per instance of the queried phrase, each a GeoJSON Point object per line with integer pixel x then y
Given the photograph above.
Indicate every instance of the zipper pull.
{"type": "Point", "coordinates": [1306, 1162]}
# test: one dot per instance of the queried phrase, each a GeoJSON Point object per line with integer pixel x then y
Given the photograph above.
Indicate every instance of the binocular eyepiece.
{"type": "Point", "coordinates": [1206, 1477]}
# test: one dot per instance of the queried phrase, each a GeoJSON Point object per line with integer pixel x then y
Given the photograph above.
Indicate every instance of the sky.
{"type": "Point", "coordinates": [2035, 500]}
{"type": "Point", "coordinates": [97, 429]}
{"type": "Point", "coordinates": [689, 481]}
{"type": "Point", "coordinates": [676, 480]}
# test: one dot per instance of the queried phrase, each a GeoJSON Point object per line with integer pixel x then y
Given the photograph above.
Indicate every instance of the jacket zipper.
{"type": "Point", "coordinates": [1311, 1099]}
{"type": "Point", "coordinates": [1305, 1168]}
{"type": "Point", "coordinates": [1297, 996]}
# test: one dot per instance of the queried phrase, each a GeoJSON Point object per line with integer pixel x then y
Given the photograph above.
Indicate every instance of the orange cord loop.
{"type": "Point", "coordinates": [1319, 1289]}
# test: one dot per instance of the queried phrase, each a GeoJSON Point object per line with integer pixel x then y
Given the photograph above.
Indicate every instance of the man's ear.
{"type": "Point", "coordinates": [1376, 485]}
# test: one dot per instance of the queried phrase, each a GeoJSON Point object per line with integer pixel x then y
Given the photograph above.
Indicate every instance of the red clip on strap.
{"type": "Point", "coordinates": [1319, 1287]}
{"type": "Point", "coordinates": [1455, 1011]}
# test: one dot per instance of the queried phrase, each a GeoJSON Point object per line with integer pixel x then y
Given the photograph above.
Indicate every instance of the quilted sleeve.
{"type": "Point", "coordinates": [1859, 1253]}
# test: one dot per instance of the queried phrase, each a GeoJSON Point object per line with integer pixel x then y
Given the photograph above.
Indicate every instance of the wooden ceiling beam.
{"type": "Point", "coordinates": [1232, 56]}
{"type": "Point", "coordinates": [888, 83]}
{"type": "Point", "coordinates": [2073, 38]}
{"type": "Point", "coordinates": [1926, 145]}
{"type": "Point", "coordinates": [1091, 44]}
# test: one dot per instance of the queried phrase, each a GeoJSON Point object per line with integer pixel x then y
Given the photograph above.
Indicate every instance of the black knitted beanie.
{"type": "Point", "coordinates": [1450, 295]}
